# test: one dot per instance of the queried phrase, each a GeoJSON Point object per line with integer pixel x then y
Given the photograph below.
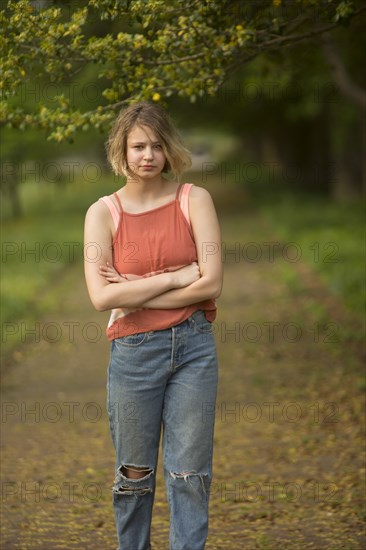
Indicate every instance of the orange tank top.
{"type": "Point", "coordinates": [148, 243]}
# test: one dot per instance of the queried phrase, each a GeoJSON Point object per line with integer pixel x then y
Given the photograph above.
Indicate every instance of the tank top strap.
{"type": "Point", "coordinates": [112, 208]}
{"type": "Point", "coordinates": [118, 201]}
{"type": "Point", "coordinates": [178, 190]}
{"type": "Point", "coordinates": [183, 201]}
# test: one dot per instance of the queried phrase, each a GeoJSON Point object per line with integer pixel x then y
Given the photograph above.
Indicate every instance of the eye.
{"type": "Point", "coordinates": [158, 146]}
{"type": "Point", "coordinates": [137, 146]}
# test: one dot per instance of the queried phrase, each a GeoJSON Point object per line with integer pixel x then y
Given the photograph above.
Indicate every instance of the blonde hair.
{"type": "Point", "coordinates": [144, 113]}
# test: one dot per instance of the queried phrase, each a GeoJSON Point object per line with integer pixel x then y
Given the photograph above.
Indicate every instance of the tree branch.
{"type": "Point", "coordinates": [282, 41]}
{"type": "Point", "coordinates": [173, 61]}
{"type": "Point", "coordinates": [351, 90]}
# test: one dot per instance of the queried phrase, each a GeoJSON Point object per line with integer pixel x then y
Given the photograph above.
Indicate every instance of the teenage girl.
{"type": "Point", "coordinates": [155, 261]}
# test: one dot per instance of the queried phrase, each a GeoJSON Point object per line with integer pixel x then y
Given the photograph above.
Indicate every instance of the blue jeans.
{"type": "Point", "coordinates": [165, 377]}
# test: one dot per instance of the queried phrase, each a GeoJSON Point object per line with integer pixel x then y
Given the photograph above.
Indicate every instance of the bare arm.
{"type": "Point", "coordinates": [129, 294]}
{"type": "Point", "coordinates": [207, 234]}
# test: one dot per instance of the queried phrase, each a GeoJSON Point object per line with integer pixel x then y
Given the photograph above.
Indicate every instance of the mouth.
{"type": "Point", "coordinates": [148, 166]}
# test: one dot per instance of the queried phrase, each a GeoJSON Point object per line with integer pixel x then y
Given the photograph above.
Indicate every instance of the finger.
{"type": "Point", "coordinates": [111, 272]}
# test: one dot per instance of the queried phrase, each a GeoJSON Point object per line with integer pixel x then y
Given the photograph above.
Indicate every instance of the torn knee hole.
{"type": "Point", "coordinates": [183, 474]}
{"type": "Point", "coordinates": [129, 478]}
{"type": "Point", "coordinates": [126, 490]}
{"type": "Point", "coordinates": [188, 476]}
{"type": "Point", "coordinates": [135, 472]}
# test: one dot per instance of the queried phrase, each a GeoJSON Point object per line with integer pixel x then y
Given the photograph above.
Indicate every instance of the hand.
{"type": "Point", "coordinates": [110, 273]}
{"type": "Point", "coordinates": [187, 275]}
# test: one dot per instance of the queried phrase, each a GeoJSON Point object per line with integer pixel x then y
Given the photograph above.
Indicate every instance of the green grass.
{"type": "Point", "coordinates": [38, 248]}
{"type": "Point", "coordinates": [329, 236]}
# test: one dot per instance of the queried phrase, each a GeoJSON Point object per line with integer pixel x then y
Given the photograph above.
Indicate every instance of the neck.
{"type": "Point", "coordinates": [145, 189]}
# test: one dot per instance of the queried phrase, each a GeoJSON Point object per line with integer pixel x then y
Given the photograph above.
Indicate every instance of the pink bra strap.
{"type": "Point", "coordinates": [184, 201]}
{"type": "Point", "coordinates": [112, 208]}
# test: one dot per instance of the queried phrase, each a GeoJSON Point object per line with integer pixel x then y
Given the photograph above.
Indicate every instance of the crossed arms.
{"type": "Point", "coordinates": [187, 285]}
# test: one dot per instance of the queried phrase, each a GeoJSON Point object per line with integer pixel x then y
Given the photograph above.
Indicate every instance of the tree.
{"type": "Point", "coordinates": [143, 49]}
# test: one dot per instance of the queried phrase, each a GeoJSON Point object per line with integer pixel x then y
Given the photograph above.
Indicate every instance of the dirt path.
{"type": "Point", "coordinates": [288, 463]}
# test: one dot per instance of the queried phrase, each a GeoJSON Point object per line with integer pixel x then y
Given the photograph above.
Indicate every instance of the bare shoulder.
{"type": "Point", "coordinates": [202, 208]}
{"type": "Point", "coordinates": [97, 209]}
{"type": "Point", "coordinates": [200, 194]}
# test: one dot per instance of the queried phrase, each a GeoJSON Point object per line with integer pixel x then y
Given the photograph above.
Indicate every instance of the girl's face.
{"type": "Point", "coordinates": [145, 155]}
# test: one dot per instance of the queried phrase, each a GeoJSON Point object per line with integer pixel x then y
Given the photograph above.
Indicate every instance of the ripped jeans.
{"type": "Point", "coordinates": [163, 378]}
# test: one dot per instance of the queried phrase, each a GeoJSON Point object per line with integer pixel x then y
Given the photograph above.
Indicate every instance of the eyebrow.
{"type": "Point", "coordinates": [143, 142]}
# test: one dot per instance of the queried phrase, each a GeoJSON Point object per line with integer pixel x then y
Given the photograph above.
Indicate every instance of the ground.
{"type": "Point", "coordinates": [288, 467]}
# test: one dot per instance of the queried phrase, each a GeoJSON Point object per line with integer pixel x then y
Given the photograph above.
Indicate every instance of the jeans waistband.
{"type": "Point", "coordinates": [197, 315]}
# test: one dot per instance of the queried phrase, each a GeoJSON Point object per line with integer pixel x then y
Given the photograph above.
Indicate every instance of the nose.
{"type": "Point", "coordinates": [148, 155]}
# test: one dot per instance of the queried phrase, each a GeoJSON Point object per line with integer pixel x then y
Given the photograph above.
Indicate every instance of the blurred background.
{"type": "Point", "coordinates": [280, 145]}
